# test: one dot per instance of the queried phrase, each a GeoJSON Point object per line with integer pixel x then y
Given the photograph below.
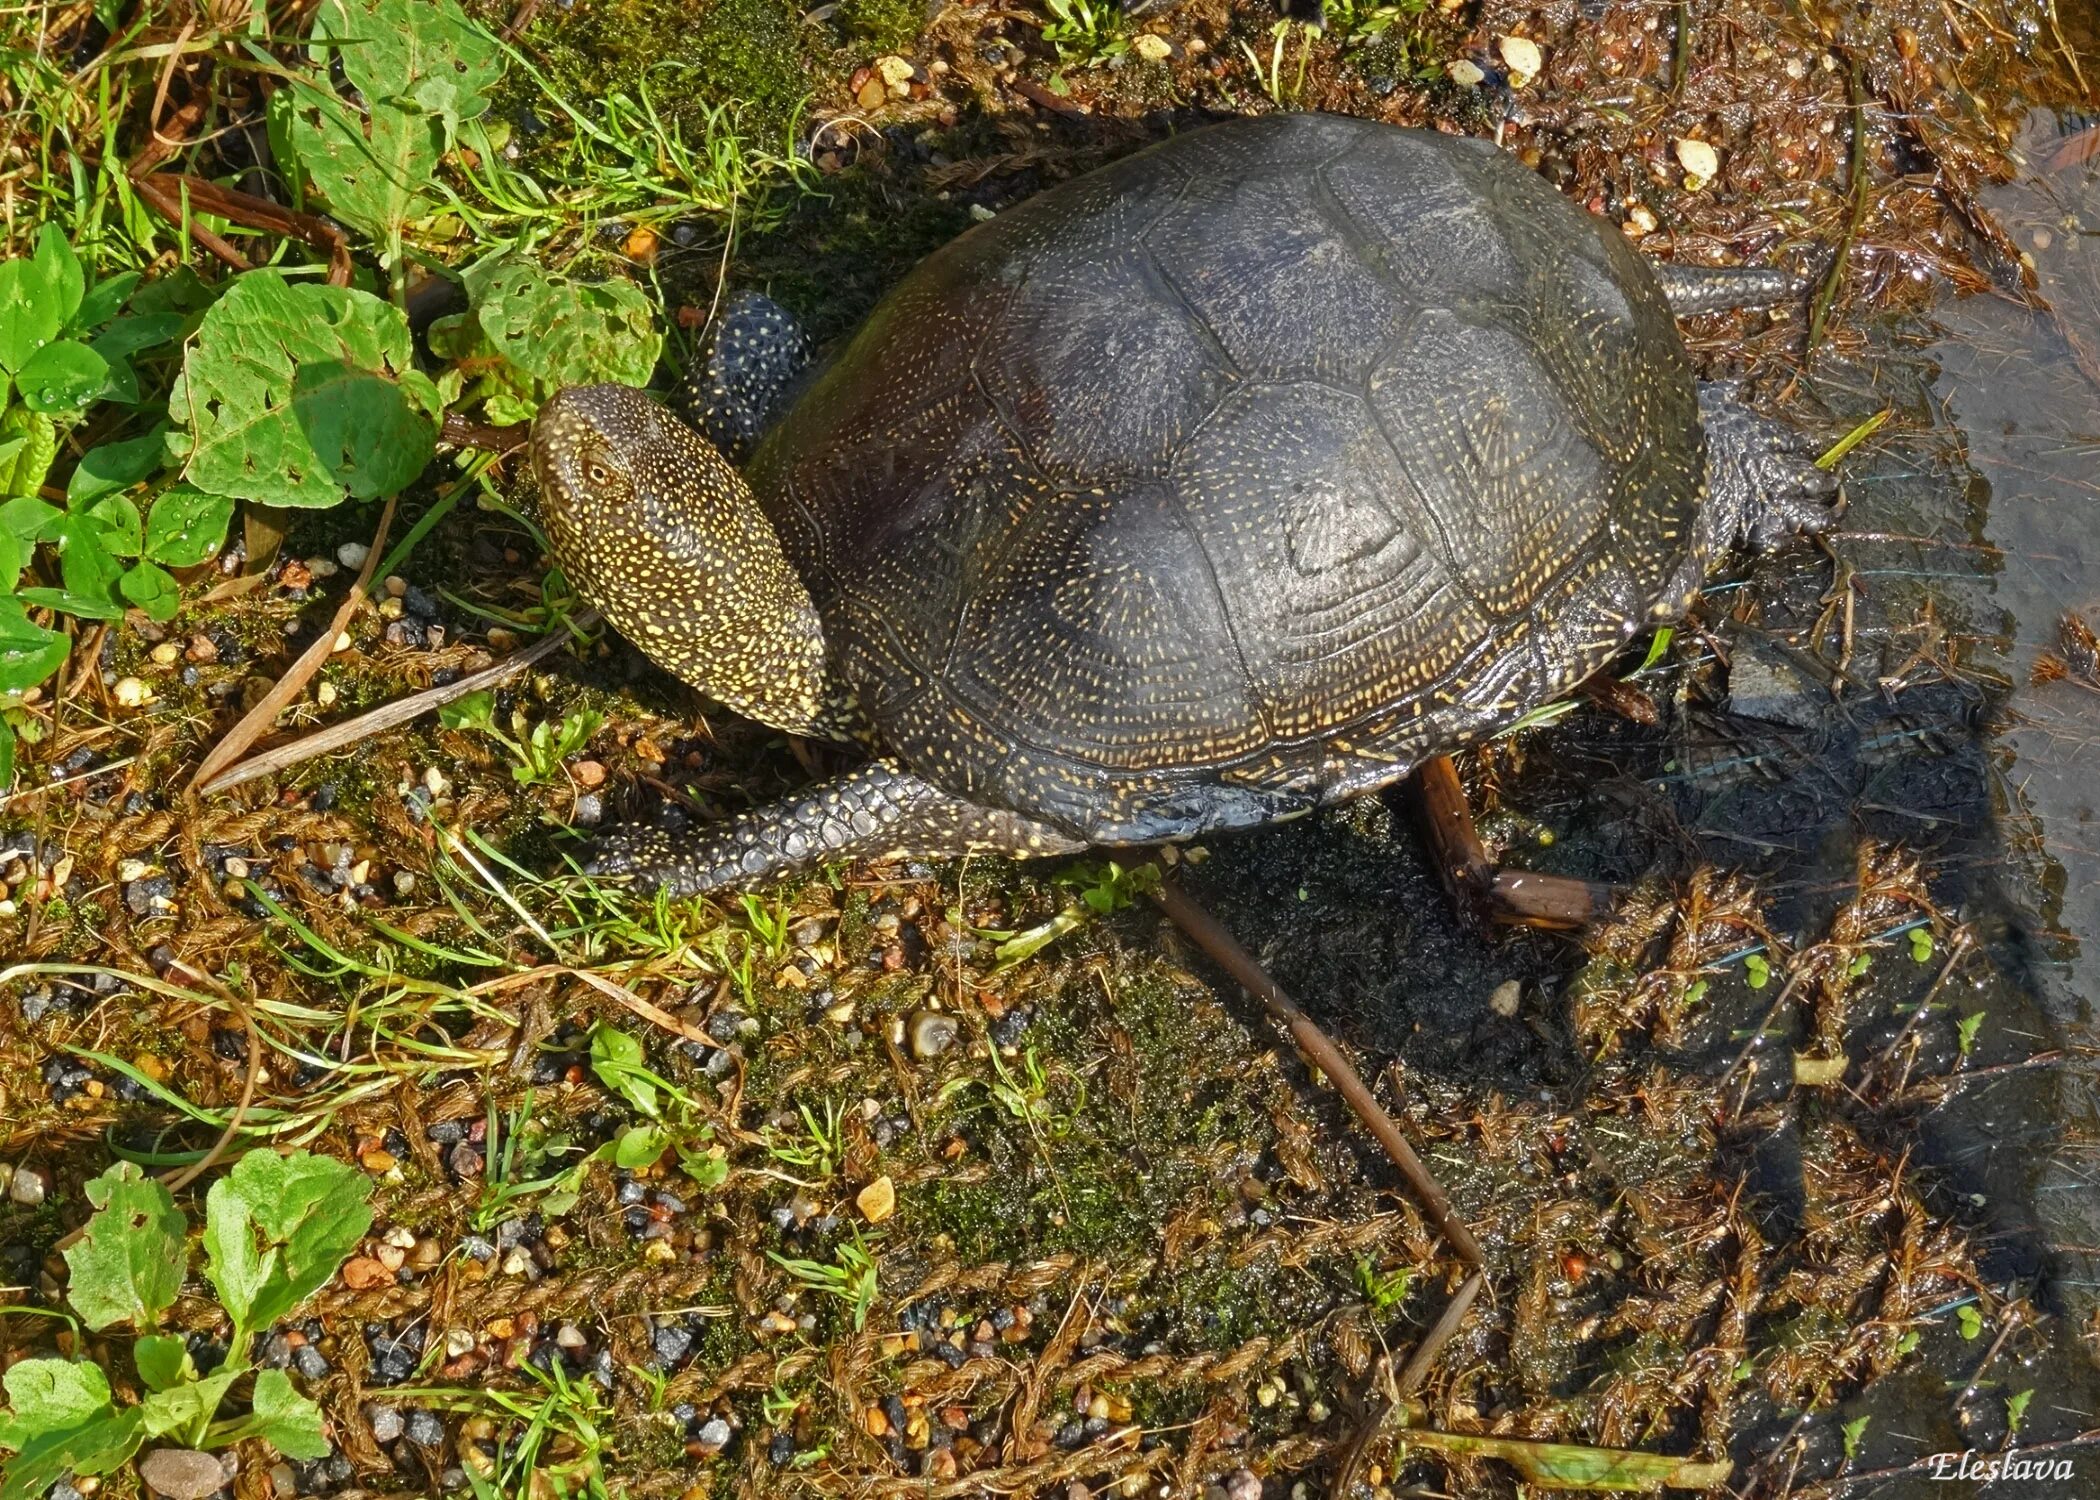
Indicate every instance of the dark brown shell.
{"type": "Point", "coordinates": [1240, 475]}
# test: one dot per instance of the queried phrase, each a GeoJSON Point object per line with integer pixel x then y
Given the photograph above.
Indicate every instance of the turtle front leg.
{"type": "Point", "coordinates": [880, 811]}
{"type": "Point", "coordinates": [755, 361]}
{"type": "Point", "coordinates": [1763, 486]}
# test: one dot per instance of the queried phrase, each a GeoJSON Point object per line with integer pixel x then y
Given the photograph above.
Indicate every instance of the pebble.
{"type": "Point", "coordinates": [878, 1200]}
{"type": "Point", "coordinates": [930, 1033]}
{"type": "Point", "coordinates": [1700, 161]}
{"type": "Point", "coordinates": [133, 693]}
{"type": "Point", "coordinates": [1241, 1484]}
{"type": "Point", "coordinates": [29, 1186]}
{"type": "Point", "coordinates": [714, 1436]}
{"type": "Point", "coordinates": [424, 1429]}
{"type": "Point", "coordinates": [362, 1273]}
{"type": "Point", "coordinates": [1508, 995]}
{"type": "Point", "coordinates": [896, 72]}
{"type": "Point", "coordinates": [1522, 57]}
{"type": "Point", "coordinates": [352, 554]}
{"type": "Point", "coordinates": [167, 653]}
{"type": "Point", "coordinates": [396, 586]}
{"type": "Point", "coordinates": [671, 1344]}
{"type": "Point", "coordinates": [386, 1423]}
{"type": "Point", "coordinates": [1465, 74]}
{"type": "Point", "coordinates": [1152, 48]}
{"type": "Point", "coordinates": [129, 870]}
{"type": "Point", "coordinates": [182, 1473]}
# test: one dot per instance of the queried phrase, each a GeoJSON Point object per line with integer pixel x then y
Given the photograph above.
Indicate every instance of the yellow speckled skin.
{"type": "Point", "coordinates": [1237, 477]}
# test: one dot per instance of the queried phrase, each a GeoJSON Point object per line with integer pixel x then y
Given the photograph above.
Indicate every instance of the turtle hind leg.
{"type": "Point", "coordinates": [755, 359]}
{"type": "Point", "coordinates": [880, 811]}
{"type": "Point", "coordinates": [1763, 486]}
{"type": "Point", "coordinates": [1702, 289]}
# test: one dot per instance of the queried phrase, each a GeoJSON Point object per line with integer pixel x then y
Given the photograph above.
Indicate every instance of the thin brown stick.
{"type": "Point", "coordinates": [1517, 897]}
{"type": "Point", "coordinates": [257, 721]}
{"type": "Point", "coordinates": [169, 206]}
{"type": "Point", "coordinates": [1411, 1376]}
{"type": "Point", "coordinates": [246, 209]}
{"type": "Point", "coordinates": [391, 715]}
{"type": "Point", "coordinates": [1212, 938]}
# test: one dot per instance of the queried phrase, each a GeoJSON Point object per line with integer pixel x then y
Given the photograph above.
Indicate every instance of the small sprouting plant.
{"type": "Point", "coordinates": [1356, 22]}
{"type": "Point", "coordinates": [1757, 971]}
{"type": "Point", "coordinates": [672, 1119]}
{"type": "Point", "coordinates": [1384, 1290]}
{"type": "Point", "coordinates": [1965, 1031]}
{"type": "Point", "coordinates": [1921, 945]}
{"type": "Point", "coordinates": [1100, 889]}
{"type": "Point", "coordinates": [1271, 76]}
{"type": "Point", "coordinates": [768, 923]}
{"type": "Point", "coordinates": [851, 1277]}
{"type": "Point", "coordinates": [1853, 1431]}
{"type": "Point", "coordinates": [1085, 35]}
{"type": "Point", "coordinates": [2016, 1410]}
{"type": "Point", "coordinates": [1970, 1320]}
{"type": "Point", "coordinates": [538, 751]}
{"type": "Point", "coordinates": [276, 1229]}
{"type": "Point", "coordinates": [817, 1148]}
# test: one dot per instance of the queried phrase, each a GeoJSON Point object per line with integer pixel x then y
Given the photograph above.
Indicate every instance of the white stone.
{"type": "Point", "coordinates": [1701, 163]}
{"type": "Point", "coordinates": [1152, 48]}
{"type": "Point", "coordinates": [1521, 55]}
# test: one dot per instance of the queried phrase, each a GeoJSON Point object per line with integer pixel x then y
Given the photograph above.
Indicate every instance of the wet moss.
{"type": "Point", "coordinates": [885, 25]}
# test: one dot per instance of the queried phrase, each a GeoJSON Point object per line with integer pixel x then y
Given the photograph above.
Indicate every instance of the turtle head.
{"type": "Point", "coordinates": [657, 530]}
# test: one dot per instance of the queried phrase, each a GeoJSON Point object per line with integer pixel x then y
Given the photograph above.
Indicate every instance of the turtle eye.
{"type": "Point", "coordinates": [596, 472]}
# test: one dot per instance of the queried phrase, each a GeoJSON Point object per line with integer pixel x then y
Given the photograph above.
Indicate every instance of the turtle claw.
{"type": "Point", "coordinates": [1765, 486]}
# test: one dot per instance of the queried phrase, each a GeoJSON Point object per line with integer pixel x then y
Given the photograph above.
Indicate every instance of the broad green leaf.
{"type": "Point", "coordinates": [117, 518]}
{"type": "Point", "coordinates": [149, 586]}
{"type": "Point", "coordinates": [127, 1266]}
{"type": "Point", "coordinates": [62, 376]}
{"type": "Point", "coordinates": [51, 1395]}
{"type": "Point", "coordinates": [287, 1420]}
{"type": "Point", "coordinates": [276, 1228]}
{"type": "Point", "coordinates": [616, 1058]}
{"type": "Point", "coordinates": [61, 272]}
{"type": "Point", "coordinates": [127, 336]}
{"type": "Point", "coordinates": [163, 1361]}
{"type": "Point", "coordinates": [86, 606]}
{"type": "Point", "coordinates": [29, 310]}
{"type": "Point", "coordinates": [14, 557]}
{"type": "Point", "coordinates": [30, 518]}
{"type": "Point", "coordinates": [110, 467]}
{"type": "Point", "coordinates": [62, 1422]}
{"type": "Point", "coordinates": [292, 394]}
{"type": "Point", "coordinates": [7, 755]}
{"type": "Point", "coordinates": [28, 652]}
{"type": "Point", "coordinates": [640, 1146]}
{"type": "Point", "coordinates": [84, 563]}
{"type": "Point", "coordinates": [104, 300]}
{"type": "Point", "coordinates": [187, 1407]}
{"type": "Point", "coordinates": [475, 710]}
{"type": "Point", "coordinates": [370, 172]}
{"type": "Point", "coordinates": [558, 332]}
{"type": "Point", "coordinates": [412, 54]}
{"type": "Point", "coordinates": [186, 526]}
